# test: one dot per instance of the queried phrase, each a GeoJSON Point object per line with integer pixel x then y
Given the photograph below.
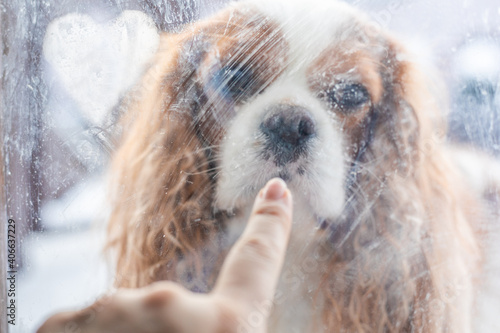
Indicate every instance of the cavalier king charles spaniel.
{"type": "Point", "coordinates": [313, 92]}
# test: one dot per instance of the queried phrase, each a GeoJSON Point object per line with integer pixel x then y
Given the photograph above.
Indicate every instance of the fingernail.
{"type": "Point", "coordinates": [275, 189]}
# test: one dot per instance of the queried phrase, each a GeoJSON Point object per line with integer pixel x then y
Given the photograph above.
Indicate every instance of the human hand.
{"type": "Point", "coordinates": [247, 280]}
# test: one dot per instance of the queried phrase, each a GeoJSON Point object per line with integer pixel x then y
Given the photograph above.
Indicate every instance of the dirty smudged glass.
{"type": "Point", "coordinates": [66, 65]}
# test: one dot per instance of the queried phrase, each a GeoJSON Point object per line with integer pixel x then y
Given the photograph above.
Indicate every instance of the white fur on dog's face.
{"type": "Point", "coordinates": [244, 170]}
{"type": "Point", "coordinates": [317, 178]}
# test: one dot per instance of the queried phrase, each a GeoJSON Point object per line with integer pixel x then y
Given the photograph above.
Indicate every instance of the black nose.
{"type": "Point", "coordinates": [287, 128]}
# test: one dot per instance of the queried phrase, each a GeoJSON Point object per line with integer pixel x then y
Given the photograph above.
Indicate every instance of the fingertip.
{"type": "Point", "coordinates": [274, 203]}
{"type": "Point", "coordinates": [276, 189]}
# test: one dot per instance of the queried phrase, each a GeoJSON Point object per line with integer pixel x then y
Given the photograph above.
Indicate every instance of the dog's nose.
{"type": "Point", "coordinates": [287, 128]}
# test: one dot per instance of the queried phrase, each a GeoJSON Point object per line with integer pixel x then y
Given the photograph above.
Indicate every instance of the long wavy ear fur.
{"type": "Point", "coordinates": [408, 260]}
{"type": "Point", "coordinates": [161, 221]}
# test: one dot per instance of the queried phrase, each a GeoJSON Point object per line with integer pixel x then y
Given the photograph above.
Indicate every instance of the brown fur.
{"type": "Point", "coordinates": [407, 261]}
{"type": "Point", "coordinates": [417, 205]}
{"type": "Point", "coordinates": [162, 193]}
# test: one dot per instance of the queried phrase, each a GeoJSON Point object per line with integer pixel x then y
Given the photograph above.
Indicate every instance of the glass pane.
{"type": "Point", "coordinates": [73, 71]}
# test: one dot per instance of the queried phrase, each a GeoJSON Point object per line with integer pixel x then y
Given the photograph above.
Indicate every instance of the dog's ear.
{"type": "Point", "coordinates": [406, 196]}
{"type": "Point", "coordinates": [161, 189]}
{"type": "Point", "coordinates": [418, 196]}
{"type": "Point", "coordinates": [408, 113]}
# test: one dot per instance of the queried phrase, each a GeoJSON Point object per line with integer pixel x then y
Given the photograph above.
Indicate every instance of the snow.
{"type": "Point", "coordinates": [65, 271]}
{"type": "Point", "coordinates": [480, 60]}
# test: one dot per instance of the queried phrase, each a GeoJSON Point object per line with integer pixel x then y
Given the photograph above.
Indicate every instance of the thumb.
{"type": "Point", "coordinates": [252, 267]}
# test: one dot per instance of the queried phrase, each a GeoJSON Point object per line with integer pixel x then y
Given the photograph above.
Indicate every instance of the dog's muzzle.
{"type": "Point", "coordinates": [288, 129]}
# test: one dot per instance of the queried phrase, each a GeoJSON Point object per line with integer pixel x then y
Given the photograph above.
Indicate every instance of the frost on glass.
{"type": "Point", "coordinates": [476, 71]}
{"type": "Point", "coordinates": [67, 69]}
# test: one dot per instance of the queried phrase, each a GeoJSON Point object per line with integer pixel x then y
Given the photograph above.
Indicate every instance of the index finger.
{"type": "Point", "coordinates": [252, 267]}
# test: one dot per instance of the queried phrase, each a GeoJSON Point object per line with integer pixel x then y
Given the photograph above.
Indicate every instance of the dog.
{"type": "Point", "coordinates": [384, 235]}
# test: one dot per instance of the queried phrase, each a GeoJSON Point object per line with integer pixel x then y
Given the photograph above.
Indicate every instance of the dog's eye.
{"type": "Point", "coordinates": [348, 96]}
{"type": "Point", "coordinates": [234, 81]}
